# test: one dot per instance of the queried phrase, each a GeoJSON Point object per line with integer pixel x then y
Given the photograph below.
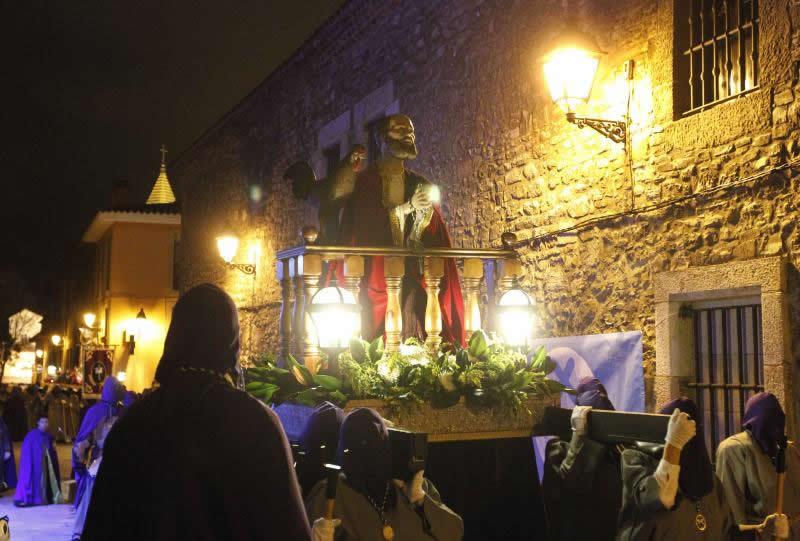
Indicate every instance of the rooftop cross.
{"type": "Point", "coordinates": [163, 155]}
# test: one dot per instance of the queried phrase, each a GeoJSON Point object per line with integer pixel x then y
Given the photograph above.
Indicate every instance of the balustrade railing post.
{"type": "Point", "coordinates": [353, 271]}
{"type": "Point", "coordinates": [393, 271]}
{"type": "Point", "coordinates": [298, 318]}
{"type": "Point", "coordinates": [287, 310]}
{"type": "Point", "coordinates": [309, 267]}
{"type": "Point", "coordinates": [434, 270]}
{"type": "Point", "coordinates": [471, 280]}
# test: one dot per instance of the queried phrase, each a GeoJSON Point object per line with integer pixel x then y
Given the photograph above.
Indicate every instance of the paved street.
{"type": "Point", "coordinates": [44, 523]}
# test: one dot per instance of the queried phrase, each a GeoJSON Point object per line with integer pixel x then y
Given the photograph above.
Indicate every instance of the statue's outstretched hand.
{"type": "Point", "coordinates": [421, 200]}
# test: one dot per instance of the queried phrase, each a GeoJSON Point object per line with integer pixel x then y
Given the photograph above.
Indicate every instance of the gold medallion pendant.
{"type": "Point", "coordinates": [388, 533]}
{"type": "Point", "coordinates": [700, 522]}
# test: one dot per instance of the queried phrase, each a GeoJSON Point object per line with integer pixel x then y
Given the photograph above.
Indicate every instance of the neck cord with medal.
{"type": "Point", "coordinates": [700, 521]}
{"type": "Point", "coordinates": [388, 532]}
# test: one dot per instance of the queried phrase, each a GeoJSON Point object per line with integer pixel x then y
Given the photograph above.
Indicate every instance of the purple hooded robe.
{"type": "Point", "coordinates": [104, 409]}
{"type": "Point", "coordinates": [9, 466]}
{"type": "Point", "coordinates": [197, 458]}
{"type": "Point", "coordinates": [35, 484]}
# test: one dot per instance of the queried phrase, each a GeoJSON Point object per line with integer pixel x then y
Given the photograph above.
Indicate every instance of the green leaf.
{"type": "Point", "coordinates": [254, 386]}
{"type": "Point", "coordinates": [542, 362]}
{"type": "Point", "coordinates": [554, 386]}
{"type": "Point", "coordinates": [300, 372]}
{"type": "Point", "coordinates": [376, 349]}
{"type": "Point", "coordinates": [477, 344]}
{"type": "Point", "coordinates": [306, 398]}
{"type": "Point", "coordinates": [357, 351]}
{"type": "Point", "coordinates": [338, 398]}
{"type": "Point", "coordinates": [329, 383]}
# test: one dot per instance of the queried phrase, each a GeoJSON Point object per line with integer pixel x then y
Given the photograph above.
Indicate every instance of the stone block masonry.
{"type": "Point", "coordinates": [468, 74]}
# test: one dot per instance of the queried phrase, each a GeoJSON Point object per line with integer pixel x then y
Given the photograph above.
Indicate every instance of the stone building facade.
{"type": "Point", "coordinates": [696, 207]}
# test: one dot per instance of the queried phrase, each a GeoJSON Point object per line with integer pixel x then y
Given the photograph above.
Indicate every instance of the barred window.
{"type": "Point", "coordinates": [716, 45]}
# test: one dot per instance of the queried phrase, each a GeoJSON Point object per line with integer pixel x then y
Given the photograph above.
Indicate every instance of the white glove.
{"type": "Point", "coordinates": [413, 489]}
{"type": "Point", "coordinates": [579, 419]}
{"type": "Point", "coordinates": [777, 525]}
{"type": "Point", "coordinates": [680, 429]}
{"type": "Point", "coordinates": [666, 475]}
{"type": "Point", "coordinates": [323, 529]}
{"type": "Point", "coordinates": [6, 455]}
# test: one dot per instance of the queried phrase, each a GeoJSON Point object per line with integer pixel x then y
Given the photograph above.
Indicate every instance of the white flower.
{"type": "Point", "coordinates": [414, 354]}
{"type": "Point", "coordinates": [387, 372]}
{"type": "Point", "coordinates": [446, 379]}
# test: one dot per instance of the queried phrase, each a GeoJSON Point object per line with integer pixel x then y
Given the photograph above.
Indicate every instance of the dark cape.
{"type": "Point", "coordinates": [35, 484]}
{"type": "Point", "coordinates": [581, 478]}
{"type": "Point", "coordinates": [365, 222]}
{"type": "Point", "coordinates": [101, 411]}
{"type": "Point", "coordinates": [196, 458]}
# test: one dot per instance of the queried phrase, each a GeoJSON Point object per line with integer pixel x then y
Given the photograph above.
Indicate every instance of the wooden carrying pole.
{"type": "Point", "coordinates": [780, 468]}
{"type": "Point", "coordinates": [332, 475]}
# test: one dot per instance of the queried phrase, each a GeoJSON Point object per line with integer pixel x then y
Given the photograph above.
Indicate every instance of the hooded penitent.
{"type": "Point", "coordinates": [322, 429]}
{"type": "Point", "coordinates": [765, 421]}
{"type": "Point", "coordinates": [39, 478]}
{"type": "Point", "coordinates": [197, 458]}
{"type": "Point", "coordinates": [100, 412]}
{"type": "Point", "coordinates": [199, 343]}
{"type": "Point", "coordinates": [590, 392]}
{"type": "Point", "coordinates": [696, 479]}
{"type": "Point", "coordinates": [366, 454]}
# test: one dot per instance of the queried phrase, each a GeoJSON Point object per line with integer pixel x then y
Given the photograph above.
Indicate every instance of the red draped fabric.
{"type": "Point", "coordinates": [366, 223]}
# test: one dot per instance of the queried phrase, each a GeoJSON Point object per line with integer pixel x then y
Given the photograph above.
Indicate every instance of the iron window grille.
{"type": "Point", "coordinates": [717, 42]}
{"type": "Point", "coordinates": [729, 367]}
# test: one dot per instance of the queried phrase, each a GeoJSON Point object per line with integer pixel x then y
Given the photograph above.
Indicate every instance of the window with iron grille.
{"type": "Point", "coordinates": [729, 366]}
{"type": "Point", "coordinates": [716, 52]}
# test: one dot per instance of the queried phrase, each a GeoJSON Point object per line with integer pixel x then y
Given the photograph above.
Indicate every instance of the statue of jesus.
{"type": "Point", "coordinates": [393, 206]}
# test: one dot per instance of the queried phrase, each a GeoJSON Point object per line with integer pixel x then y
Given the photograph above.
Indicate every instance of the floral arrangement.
{"type": "Point", "coordinates": [487, 374]}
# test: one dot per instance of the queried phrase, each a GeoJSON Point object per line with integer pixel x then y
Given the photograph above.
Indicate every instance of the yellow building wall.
{"type": "Point", "coordinates": [141, 266]}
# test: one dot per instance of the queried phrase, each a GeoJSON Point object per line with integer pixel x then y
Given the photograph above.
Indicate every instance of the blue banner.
{"type": "Point", "coordinates": [615, 359]}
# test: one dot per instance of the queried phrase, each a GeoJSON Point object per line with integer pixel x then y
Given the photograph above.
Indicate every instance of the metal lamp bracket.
{"type": "Point", "coordinates": [616, 130]}
{"type": "Point", "coordinates": [246, 268]}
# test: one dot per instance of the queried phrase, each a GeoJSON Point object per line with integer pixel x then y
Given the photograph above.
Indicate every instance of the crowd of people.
{"type": "Point", "coordinates": [198, 458]}
{"type": "Point", "coordinates": [63, 405]}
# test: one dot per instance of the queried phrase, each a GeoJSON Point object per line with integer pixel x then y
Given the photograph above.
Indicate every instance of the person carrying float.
{"type": "Point", "coordinates": [746, 466]}
{"type": "Point", "coordinates": [582, 476]}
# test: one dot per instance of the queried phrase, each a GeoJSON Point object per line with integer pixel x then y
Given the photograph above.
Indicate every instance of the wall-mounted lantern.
{"type": "Point", "coordinates": [337, 319]}
{"type": "Point", "coordinates": [135, 329]}
{"type": "Point", "coordinates": [228, 245]}
{"type": "Point", "coordinates": [515, 316]}
{"type": "Point", "coordinates": [56, 340]}
{"type": "Point", "coordinates": [570, 68]}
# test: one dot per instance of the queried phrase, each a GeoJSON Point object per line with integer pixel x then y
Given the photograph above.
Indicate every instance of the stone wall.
{"type": "Point", "coordinates": [467, 73]}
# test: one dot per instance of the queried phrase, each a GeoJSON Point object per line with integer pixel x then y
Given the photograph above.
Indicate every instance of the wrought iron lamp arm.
{"type": "Point", "coordinates": [246, 268]}
{"type": "Point", "coordinates": [616, 130]}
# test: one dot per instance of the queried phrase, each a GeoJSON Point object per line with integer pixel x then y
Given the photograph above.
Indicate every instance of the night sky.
{"type": "Point", "coordinates": [90, 91]}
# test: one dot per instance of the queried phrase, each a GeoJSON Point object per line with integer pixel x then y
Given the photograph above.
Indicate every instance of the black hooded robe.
{"type": "Point", "coordinates": [197, 459]}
